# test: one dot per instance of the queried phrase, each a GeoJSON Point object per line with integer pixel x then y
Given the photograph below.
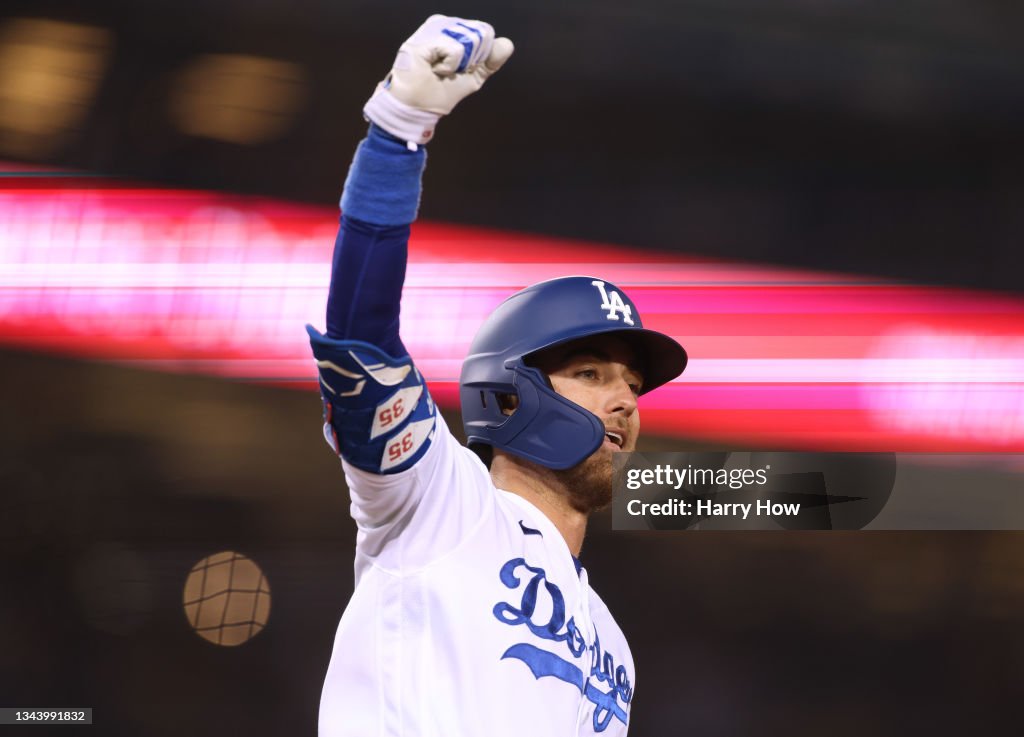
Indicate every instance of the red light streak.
{"type": "Point", "coordinates": [221, 284]}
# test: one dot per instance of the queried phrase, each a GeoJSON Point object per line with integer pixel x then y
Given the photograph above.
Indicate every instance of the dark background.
{"type": "Point", "coordinates": [867, 136]}
{"type": "Point", "coordinates": [880, 138]}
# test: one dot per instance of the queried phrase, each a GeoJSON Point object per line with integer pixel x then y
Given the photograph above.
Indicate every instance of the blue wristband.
{"type": "Point", "coordinates": [384, 181]}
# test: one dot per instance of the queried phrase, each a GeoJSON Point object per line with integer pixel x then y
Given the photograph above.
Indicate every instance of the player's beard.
{"type": "Point", "coordinates": [589, 482]}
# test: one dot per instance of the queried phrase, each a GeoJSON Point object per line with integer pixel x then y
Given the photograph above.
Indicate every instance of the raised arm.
{"type": "Point", "coordinates": [377, 411]}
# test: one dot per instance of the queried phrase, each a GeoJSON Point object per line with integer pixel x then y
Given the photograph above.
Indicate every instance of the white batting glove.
{"type": "Point", "coordinates": [446, 60]}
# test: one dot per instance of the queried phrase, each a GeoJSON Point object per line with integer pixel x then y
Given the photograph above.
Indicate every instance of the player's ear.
{"type": "Point", "coordinates": [508, 403]}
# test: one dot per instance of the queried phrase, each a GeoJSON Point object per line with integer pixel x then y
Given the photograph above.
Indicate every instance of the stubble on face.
{"type": "Point", "coordinates": [589, 483]}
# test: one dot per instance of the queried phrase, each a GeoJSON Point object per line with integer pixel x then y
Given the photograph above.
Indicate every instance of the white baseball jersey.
{"type": "Point", "coordinates": [469, 616]}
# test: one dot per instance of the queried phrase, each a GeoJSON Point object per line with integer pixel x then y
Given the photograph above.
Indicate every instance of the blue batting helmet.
{"type": "Point", "coordinates": [545, 427]}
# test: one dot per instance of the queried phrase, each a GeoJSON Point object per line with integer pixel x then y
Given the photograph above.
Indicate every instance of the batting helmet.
{"type": "Point", "coordinates": [545, 427]}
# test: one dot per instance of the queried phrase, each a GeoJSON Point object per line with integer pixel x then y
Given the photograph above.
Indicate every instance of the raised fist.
{"type": "Point", "coordinates": [444, 61]}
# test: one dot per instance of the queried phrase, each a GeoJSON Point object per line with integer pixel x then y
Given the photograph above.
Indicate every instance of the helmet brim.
{"type": "Point", "coordinates": [662, 358]}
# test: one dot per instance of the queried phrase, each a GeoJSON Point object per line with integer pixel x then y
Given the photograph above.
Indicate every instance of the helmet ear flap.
{"type": "Point", "coordinates": [546, 428]}
{"type": "Point", "coordinates": [507, 403]}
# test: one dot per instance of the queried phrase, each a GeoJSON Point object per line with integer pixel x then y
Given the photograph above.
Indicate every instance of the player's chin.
{"type": "Point", "coordinates": [590, 483]}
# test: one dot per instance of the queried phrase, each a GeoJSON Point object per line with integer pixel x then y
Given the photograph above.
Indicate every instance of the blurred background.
{"type": "Point", "coordinates": [823, 202]}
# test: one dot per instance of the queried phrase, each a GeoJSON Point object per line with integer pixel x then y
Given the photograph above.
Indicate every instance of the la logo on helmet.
{"type": "Point", "coordinates": [614, 304]}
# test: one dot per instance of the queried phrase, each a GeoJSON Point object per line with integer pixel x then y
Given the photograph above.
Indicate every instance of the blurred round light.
{"type": "Point", "coordinates": [49, 74]}
{"type": "Point", "coordinates": [237, 98]}
{"type": "Point", "coordinates": [227, 598]}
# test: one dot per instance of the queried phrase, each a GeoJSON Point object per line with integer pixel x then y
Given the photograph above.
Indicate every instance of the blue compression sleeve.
{"type": "Point", "coordinates": [366, 284]}
{"type": "Point", "coordinates": [380, 200]}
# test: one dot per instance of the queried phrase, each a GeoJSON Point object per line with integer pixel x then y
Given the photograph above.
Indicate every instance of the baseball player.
{"type": "Point", "coordinates": [472, 614]}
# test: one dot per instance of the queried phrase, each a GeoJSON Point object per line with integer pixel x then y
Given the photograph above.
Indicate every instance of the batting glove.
{"type": "Point", "coordinates": [444, 61]}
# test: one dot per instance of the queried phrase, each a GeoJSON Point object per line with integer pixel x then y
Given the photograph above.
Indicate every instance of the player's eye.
{"type": "Point", "coordinates": [587, 373]}
{"type": "Point", "coordinates": [635, 389]}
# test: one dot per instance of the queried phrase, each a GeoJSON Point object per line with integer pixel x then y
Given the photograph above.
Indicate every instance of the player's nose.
{"type": "Point", "coordinates": [621, 398]}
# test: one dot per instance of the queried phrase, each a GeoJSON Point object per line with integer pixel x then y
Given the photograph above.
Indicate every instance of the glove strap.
{"type": "Point", "coordinates": [400, 120]}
